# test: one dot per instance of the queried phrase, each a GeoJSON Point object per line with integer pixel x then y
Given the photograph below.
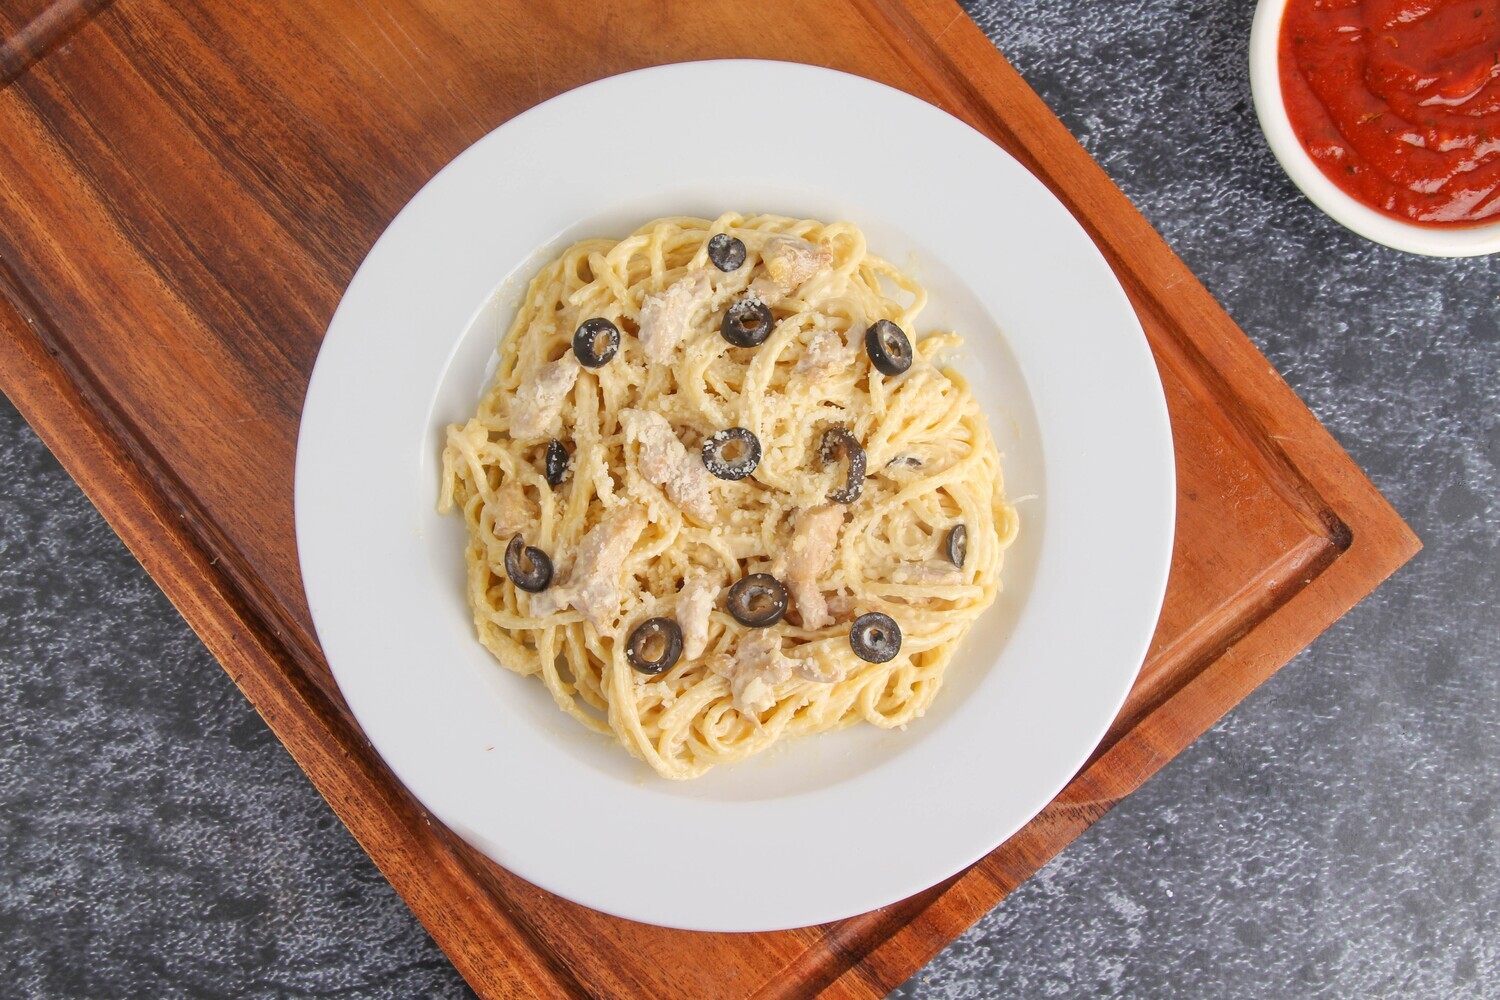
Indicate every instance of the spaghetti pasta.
{"type": "Point", "coordinates": [638, 528]}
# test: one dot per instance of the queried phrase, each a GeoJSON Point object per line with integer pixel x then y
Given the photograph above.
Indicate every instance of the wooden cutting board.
{"type": "Point", "coordinates": [186, 190]}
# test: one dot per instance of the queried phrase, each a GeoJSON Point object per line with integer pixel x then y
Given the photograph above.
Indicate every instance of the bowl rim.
{"type": "Point", "coordinates": [1265, 89]}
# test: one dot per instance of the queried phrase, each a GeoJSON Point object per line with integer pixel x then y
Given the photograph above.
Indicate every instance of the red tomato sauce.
{"type": "Point", "coordinates": [1398, 102]}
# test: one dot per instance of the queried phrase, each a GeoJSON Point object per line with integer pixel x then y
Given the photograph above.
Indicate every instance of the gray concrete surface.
{"type": "Point", "coordinates": [1336, 835]}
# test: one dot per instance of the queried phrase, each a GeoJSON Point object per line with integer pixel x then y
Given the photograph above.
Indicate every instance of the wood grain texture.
{"type": "Point", "coordinates": [187, 192]}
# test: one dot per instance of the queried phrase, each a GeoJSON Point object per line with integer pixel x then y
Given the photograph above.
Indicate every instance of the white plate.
{"type": "Point", "coordinates": [820, 828]}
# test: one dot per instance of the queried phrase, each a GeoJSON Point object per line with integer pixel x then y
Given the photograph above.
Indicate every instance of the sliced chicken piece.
{"type": "Point", "coordinates": [667, 316]}
{"type": "Point", "coordinates": [537, 406]}
{"type": "Point", "coordinates": [593, 584]}
{"type": "Point", "coordinates": [812, 669]}
{"type": "Point", "coordinates": [842, 605]}
{"type": "Point", "coordinates": [763, 289]}
{"type": "Point", "coordinates": [515, 512]}
{"type": "Point", "coordinates": [753, 671]}
{"type": "Point", "coordinates": [826, 353]}
{"type": "Point", "coordinates": [665, 462]}
{"type": "Point", "coordinates": [694, 604]}
{"type": "Point", "coordinates": [791, 261]}
{"type": "Point", "coordinates": [807, 557]}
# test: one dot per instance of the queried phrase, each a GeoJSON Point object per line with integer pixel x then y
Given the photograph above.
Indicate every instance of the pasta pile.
{"type": "Point", "coordinates": [634, 529]}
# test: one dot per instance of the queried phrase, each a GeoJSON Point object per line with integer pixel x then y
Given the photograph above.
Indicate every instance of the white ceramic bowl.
{"type": "Point", "coordinates": [1265, 84]}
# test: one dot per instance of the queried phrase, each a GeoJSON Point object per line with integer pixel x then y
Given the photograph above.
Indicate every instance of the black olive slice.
{"type": "Point", "coordinates": [958, 545]}
{"type": "Point", "coordinates": [747, 323]}
{"type": "Point", "coordinates": [726, 252]}
{"type": "Point", "coordinates": [759, 600]}
{"type": "Point", "coordinates": [659, 636]}
{"type": "Point", "coordinates": [538, 577]}
{"type": "Point", "coordinates": [738, 442]}
{"type": "Point", "coordinates": [840, 441]}
{"type": "Point", "coordinates": [595, 342]}
{"type": "Point", "coordinates": [888, 347]}
{"type": "Point", "coordinates": [875, 637]}
{"type": "Point", "coordinates": [557, 462]}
